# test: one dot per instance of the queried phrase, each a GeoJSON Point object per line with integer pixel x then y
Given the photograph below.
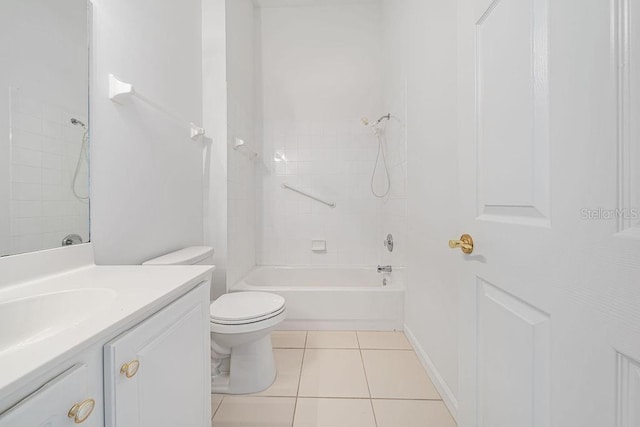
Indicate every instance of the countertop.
{"type": "Point", "coordinates": [135, 292]}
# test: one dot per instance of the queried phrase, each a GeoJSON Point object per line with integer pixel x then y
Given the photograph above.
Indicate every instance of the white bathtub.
{"type": "Point", "coordinates": [332, 298]}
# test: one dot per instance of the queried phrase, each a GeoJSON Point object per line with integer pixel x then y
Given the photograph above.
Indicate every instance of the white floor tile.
{"type": "Point", "coordinates": [236, 411]}
{"type": "Point", "coordinates": [334, 413]}
{"type": "Point", "coordinates": [332, 339]}
{"type": "Point", "coordinates": [383, 341]}
{"type": "Point", "coordinates": [289, 365]}
{"type": "Point", "coordinates": [412, 413]}
{"type": "Point", "coordinates": [397, 374]}
{"type": "Point", "coordinates": [333, 385]}
{"type": "Point", "coordinates": [333, 373]}
{"type": "Point", "coordinates": [288, 339]}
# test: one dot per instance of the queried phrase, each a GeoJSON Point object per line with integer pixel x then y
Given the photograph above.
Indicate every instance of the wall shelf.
{"type": "Point", "coordinates": [119, 90]}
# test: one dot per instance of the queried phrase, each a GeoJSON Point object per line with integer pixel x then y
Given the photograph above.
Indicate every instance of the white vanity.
{"type": "Point", "coordinates": [100, 345]}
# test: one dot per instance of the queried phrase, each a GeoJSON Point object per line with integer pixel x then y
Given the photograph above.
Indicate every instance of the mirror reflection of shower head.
{"type": "Point", "coordinates": [77, 122]}
{"type": "Point", "coordinates": [82, 155]}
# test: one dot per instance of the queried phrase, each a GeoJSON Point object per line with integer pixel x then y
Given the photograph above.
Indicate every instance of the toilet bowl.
{"type": "Point", "coordinates": [241, 353]}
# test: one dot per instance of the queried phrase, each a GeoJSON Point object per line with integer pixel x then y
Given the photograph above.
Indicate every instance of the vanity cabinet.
{"type": "Point", "coordinates": [157, 374]}
{"type": "Point", "coordinates": [66, 400]}
{"type": "Point", "coordinates": [151, 371]}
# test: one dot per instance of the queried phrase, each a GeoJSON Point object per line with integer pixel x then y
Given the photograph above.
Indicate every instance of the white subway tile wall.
{"type": "Point", "coordinates": [334, 161]}
{"type": "Point", "coordinates": [394, 218]}
{"type": "Point", "coordinates": [317, 86]}
{"type": "Point", "coordinates": [45, 148]}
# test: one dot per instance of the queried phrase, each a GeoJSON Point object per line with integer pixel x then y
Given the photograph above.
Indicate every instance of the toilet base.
{"type": "Point", "coordinates": [251, 366]}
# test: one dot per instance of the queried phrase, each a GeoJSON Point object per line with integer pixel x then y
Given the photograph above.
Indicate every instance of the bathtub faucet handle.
{"type": "Point", "coordinates": [385, 269]}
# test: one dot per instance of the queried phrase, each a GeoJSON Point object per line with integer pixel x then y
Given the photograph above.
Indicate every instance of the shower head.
{"type": "Point", "coordinates": [385, 117]}
{"type": "Point", "coordinates": [77, 122]}
{"type": "Point", "coordinates": [366, 122]}
{"type": "Point", "coordinates": [376, 126]}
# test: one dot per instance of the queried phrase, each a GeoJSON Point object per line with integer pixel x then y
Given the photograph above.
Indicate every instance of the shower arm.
{"type": "Point", "coordinates": [387, 116]}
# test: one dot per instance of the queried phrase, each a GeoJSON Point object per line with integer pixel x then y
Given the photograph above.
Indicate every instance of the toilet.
{"type": "Point", "coordinates": [241, 324]}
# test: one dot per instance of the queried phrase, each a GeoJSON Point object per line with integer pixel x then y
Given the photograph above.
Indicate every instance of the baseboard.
{"type": "Point", "coordinates": [442, 387]}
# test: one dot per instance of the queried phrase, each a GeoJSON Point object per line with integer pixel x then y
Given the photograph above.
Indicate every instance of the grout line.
{"type": "Point", "coordinates": [217, 408]}
{"type": "Point", "coordinates": [339, 398]}
{"type": "Point", "coordinates": [304, 351]}
{"type": "Point", "coordinates": [413, 399]}
{"type": "Point", "coordinates": [402, 399]}
{"type": "Point", "coordinates": [288, 348]}
{"type": "Point", "coordinates": [366, 378]}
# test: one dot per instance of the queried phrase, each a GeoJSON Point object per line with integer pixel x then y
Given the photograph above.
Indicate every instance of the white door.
{"type": "Point", "coordinates": [549, 148]}
{"type": "Point", "coordinates": [158, 373]}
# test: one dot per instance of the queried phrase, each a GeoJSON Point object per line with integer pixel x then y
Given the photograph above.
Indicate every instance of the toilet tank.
{"type": "Point", "coordinates": [194, 255]}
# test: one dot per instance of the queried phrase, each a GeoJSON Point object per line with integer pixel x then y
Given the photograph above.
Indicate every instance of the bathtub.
{"type": "Point", "coordinates": [332, 298]}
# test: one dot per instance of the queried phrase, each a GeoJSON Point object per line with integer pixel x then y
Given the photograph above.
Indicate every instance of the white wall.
{"type": "Point", "coordinates": [146, 172]}
{"type": "Point", "coordinates": [421, 50]}
{"type": "Point", "coordinates": [214, 51]}
{"type": "Point", "coordinates": [43, 83]}
{"type": "Point", "coordinates": [5, 153]}
{"type": "Point", "coordinates": [321, 73]}
{"type": "Point", "coordinates": [243, 120]}
{"type": "Point", "coordinates": [394, 207]}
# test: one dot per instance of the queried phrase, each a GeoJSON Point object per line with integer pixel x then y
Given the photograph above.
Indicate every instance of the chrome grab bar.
{"type": "Point", "coordinates": [295, 190]}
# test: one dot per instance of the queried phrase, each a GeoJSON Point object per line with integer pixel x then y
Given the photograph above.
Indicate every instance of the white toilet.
{"type": "Point", "coordinates": [241, 323]}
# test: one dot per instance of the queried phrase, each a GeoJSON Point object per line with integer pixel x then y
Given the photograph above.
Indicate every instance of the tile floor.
{"type": "Point", "coordinates": [339, 379]}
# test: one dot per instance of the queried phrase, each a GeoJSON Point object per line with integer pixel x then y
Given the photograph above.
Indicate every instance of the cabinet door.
{"type": "Point", "coordinates": [50, 405]}
{"type": "Point", "coordinates": [158, 373]}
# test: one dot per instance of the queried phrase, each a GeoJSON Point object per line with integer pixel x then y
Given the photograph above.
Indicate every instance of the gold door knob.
{"type": "Point", "coordinates": [81, 411]}
{"type": "Point", "coordinates": [465, 243]}
{"type": "Point", "coordinates": [130, 369]}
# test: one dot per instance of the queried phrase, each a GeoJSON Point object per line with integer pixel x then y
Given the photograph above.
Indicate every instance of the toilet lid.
{"type": "Point", "coordinates": [238, 306]}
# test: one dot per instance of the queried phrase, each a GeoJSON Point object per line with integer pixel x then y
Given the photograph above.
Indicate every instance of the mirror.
{"type": "Point", "coordinates": [44, 127]}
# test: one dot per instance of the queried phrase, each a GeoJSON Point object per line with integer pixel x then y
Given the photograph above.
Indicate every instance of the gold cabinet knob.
{"type": "Point", "coordinates": [130, 369]}
{"type": "Point", "coordinates": [81, 411]}
{"type": "Point", "coordinates": [465, 244]}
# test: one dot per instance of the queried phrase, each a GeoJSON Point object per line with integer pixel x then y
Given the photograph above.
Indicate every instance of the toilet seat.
{"type": "Point", "coordinates": [248, 321]}
{"type": "Point", "coordinates": [244, 328]}
{"type": "Point", "coordinates": [245, 307]}
{"type": "Point", "coordinates": [245, 310]}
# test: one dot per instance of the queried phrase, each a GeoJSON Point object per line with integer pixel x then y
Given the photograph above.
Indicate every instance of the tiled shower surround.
{"type": "Point", "coordinates": [334, 161]}
{"type": "Point", "coordinates": [44, 152]}
{"type": "Point", "coordinates": [321, 72]}
{"type": "Point", "coordinates": [300, 80]}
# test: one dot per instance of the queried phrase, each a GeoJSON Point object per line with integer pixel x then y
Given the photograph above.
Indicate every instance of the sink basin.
{"type": "Point", "coordinates": [28, 320]}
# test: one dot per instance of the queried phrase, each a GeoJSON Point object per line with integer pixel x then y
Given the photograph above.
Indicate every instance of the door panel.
{"type": "Point", "coordinates": [511, 69]}
{"type": "Point", "coordinates": [550, 334]}
{"type": "Point", "coordinates": [513, 351]}
{"type": "Point", "coordinates": [628, 62]}
{"type": "Point", "coordinates": [629, 392]}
